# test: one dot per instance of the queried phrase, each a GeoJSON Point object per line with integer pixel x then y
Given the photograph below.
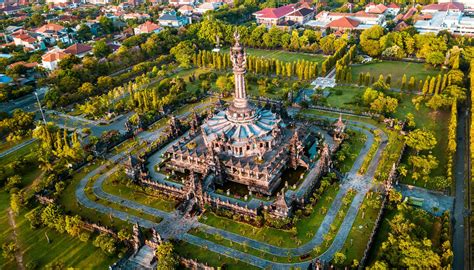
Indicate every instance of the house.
{"type": "Point", "coordinates": [301, 16]}
{"type": "Point", "coordinates": [147, 27]}
{"type": "Point", "coordinates": [454, 22]}
{"type": "Point", "coordinates": [344, 23]}
{"type": "Point", "coordinates": [373, 8]}
{"type": "Point", "coordinates": [178, 3]}
{"type": "Point", "coordinates": [207, 6]}
{"type": "Point", "coordinates": [273, 16]}
{"type": "Point", "coordinates": [79, 49]}
{"type": "Point", "coordinates": [392, 9]}
{"type": "Point", "coordinates": [356, 21]}
{"type": "Point", "coordinates": [53, 33]}
{"type": "Point", "coordinates": [29, 40]}
{"type": "Point", "coordinates": [172, 19]}
{"type": "Point", "coordinates": [449, 6]}
{"type": "Point", "coordinates": [98, 2]}
{"type": "Point", "coordinates": [51, 59]}
{"type": "Point", "coordinates": [468, 4]}
{"type": "Point", "coordinates": [23, 63]}
{"type": "Point", "coordinates": [186, 10]}
{"type": "Point", "coordinates": [289, 15]}
{"type": "Point", "coordinates": [11, 10]}
{"type": "Point", "coordinates": [136, 16]}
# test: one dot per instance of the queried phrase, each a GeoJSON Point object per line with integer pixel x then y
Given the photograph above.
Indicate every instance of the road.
{"type": "Point", "coordinates": [460, 169]}
{"type": "Point", "coordinates": [27, 103]}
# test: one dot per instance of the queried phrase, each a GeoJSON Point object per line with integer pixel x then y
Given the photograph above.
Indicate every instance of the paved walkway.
{"type": "Point", "coordinates": [175, 226]}
{"type": "Point", "coordinates": [433, 202]}
{"type": "Point", "coordinates": [16, 147]}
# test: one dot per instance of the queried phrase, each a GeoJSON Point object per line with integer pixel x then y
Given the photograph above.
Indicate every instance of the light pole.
{"type": "Point", "coordinates": [41, 109]}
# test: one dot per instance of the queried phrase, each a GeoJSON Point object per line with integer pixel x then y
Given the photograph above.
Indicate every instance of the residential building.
{"type": "Point", "coordinates": [172, 19]}
{"type": "Point", "coordinates": [301, 16]}
{"type": "Point", "coordinates": [373, 8]}
{"type": "Point", "coordinates": [288, 15]}
{"type": "Point", "coordinates": [79, 49]}
{"type": "Point", "coordinates": [392, 9]}
{"type": "Point", "coordinates": [29, 40]}
{"type": "Point", "coordinates": [186, 10]}
{"type": "Point", "coordinates": [147, 28]}
{"type": "Point", "coordinates": [99, 2]}
{"type": "Point", "coordinates": [182, 2]}
{"type": "Point", "coordinates": [53, 33]}
{"type": "Point", "coordinates": [468, 4]}
{"type": "Point", "coordinates": [452, 21]}
{"type": "Point", "coordinates": [449, 6]}
{"type": "Point", "coordinates": [207, 6]}
{"type": "Point", "coordinates": [354, 21]}
{"type": "Point", "coordinates": [51, 59]}
{"type": "Point", "coordinates": [136, 16]}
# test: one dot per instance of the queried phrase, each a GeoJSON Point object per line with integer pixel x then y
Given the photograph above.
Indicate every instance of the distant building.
{"type": "Point", "coordinates": [79, 49]}
{"type": "Point", "coordinates": [468, 4]}
{"type": "Point", "coordinates": [172, 19]}
{"type": "Point", "coordinates": [147, 28]}
{"type": "Point", "coordinates": [207, 6]}
{"type": "Point", "coordinates": [136, 16]}
{"type": "Point", "coordinates": [29, 40]}
{"type": "Point", "coordinates": [186, 10]}
{"type": "Point", "coordinates": [182, 2]}
{"type": "Point", "coordinates": [375, 8]}
{"type": "Point", "coordinates": [51, 59]}
{"type": "Point", "coordinates": [449, 6]}
{"type": "Point", "coordinates": [288, 15]}
{"type": "Point", "coordinates": [54, 33]}
{"type": "Point", "coordinates": [346, 21]}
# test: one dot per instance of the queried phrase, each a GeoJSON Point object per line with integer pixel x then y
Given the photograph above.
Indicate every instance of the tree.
{"type": "Point", "coordinates": [183, 53]}
{"type": "Point", "coordinates": [166, 258]}
{"type": "Point", "coordinates": [105, 242]}
{"type": "Point", "coordinates": [101, 49]}
{"type": "Point", "coordinates": [369, 40]}
{"type": "Point", "coordinates": [8, 250]}
{"type": "Point", "coordinates": [339, 258]}
{"type": "Point", "coordinates": [223, 83]}
{"type": "Point", "coordinates": [420, 140]}
{"type": "Point", "coordinates": [435, 58]}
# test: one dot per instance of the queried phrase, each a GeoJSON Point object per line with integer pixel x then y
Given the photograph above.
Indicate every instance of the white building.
{"type": "Point", "coordinates": [453, 21]}
{"type": "Point", "coordinates": [468, 4]}
{"type": "Point", "coordinates": [51, 59]}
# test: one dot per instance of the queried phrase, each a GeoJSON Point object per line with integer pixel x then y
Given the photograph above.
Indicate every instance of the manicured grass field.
{"type": "Point", "coordinates": [396, 69]}
{"type": "Point", "coordinates": [139, 196]}
{"type": "Point", "coordinates": [306, 227]}
{"type": "Point", "coordinates": [71, 251]}
{"type": "Point", "coordinates": [5, 228]}
{"type": "Point", "coordinates": [282, 55]}
{"type": "Point", "coordinates": [344, 97]}
{"type": "Point", "coordinates": [358, 237]}
{"type": "Point", "coordinates": [356, 143]}
{"type": "Point", "coordinates": [202, 254]}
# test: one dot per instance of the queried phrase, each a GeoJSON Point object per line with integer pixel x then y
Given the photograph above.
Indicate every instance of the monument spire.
{"type": "Point", "coordinates": [240, 104]}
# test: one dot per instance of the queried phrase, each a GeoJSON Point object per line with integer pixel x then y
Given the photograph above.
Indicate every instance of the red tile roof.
{"type": "Point", "coordinates": [445, 6]}
{"type": "Point", "coordinates": [148, 27]}
{"type": "Point", "coordinates": [54, 55]}
{"type": "Point", "coordinates": [275, 13]}
{"type": "Point", "coordinates": [377, 9]}
{"type": "Point", "coordinates": [344, 22]}
{"type": "Point", "coordinates": [50, 27]}
{"type": "Point", "coordinates": [393, 5]}
{"type": "Point", "coordinates": [23, 63]}
{"type": "Point", "coordinates": [78, 49]}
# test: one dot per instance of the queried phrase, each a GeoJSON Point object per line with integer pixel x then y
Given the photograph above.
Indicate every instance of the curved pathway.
{"type": "Point", "coordinates": [360, 183]}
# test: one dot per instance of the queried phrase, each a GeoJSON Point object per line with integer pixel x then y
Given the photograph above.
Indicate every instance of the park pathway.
{"type": "Point", "coordinates": [18, 252]}
{"type": "Point", "coordinates": [360, 183]}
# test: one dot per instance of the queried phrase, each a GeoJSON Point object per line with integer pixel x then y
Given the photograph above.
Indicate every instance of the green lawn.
{"type": "Point", "coordinates": [202, 254]}
{"type": "Point", "coordinates": [306, 227]}
{"type": "Point", "coordinates": [70, 204]}
{"type": "Point", "coordinates": [282, 55]}
{"type": "Point", "coordinates": [139, 196]}
{"type": "Point", "coordinates": [396, 69]}
{"type": "Point", "coordinates": [361, 230]}
{"type": "Point", "coordinates": [344, 96]}
{"type": "Point", "coordinates": [5, 228]}
{"type": "Point", "coordinates": [62, 247]}
{"type": "Point", "coordinates": [356, 143]}
{"type": "Point", "coordinates": [4, 145]}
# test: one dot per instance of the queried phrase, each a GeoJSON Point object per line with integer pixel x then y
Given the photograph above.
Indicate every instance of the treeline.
{"type": "Point", "coordinates": [330, 61]}
{"type": "Point", "coordinates": [452, 127]}
{"type": "Point", "coordinates": [343, 70]}
{"type": "Point", "coordinates": [302, 69]}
